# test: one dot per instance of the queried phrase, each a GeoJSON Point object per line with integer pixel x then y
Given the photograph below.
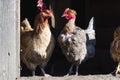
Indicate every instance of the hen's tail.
{"type": "Point", "coordinates": [25, 26]}
{"type": "Point", "coordinates": [90, 29]}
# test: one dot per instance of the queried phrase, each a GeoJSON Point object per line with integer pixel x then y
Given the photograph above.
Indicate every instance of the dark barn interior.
{"type": "Point", "coordinates": [107, 18]}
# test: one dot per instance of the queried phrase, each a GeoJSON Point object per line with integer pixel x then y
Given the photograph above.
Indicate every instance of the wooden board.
{"type": "Point", "coordinates": [9, 39]}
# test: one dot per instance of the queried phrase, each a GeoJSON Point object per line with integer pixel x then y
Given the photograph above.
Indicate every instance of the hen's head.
{"type": "Point", "coordinates": [43, 17]}
{"type": "Point", "coordinates": [69, 14]}
{"type": "Point", "coordinates": [46, 13]}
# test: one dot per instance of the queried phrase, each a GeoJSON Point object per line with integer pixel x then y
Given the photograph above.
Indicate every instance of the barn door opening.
{"type": "Point", "coordinates": [106, 20]}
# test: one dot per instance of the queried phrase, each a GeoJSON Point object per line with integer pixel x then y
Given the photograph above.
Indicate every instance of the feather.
{"type": "Point", "coordinates": [91, 40]}
{"type": "Point", "coordinates": [25, 26]}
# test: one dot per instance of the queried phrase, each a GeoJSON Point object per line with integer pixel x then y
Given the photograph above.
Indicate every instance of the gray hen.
{"type": "Point", "coordinates": [72, 41]}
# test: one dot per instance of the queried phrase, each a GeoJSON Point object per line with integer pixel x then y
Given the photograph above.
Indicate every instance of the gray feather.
{"type": "Point", "coordinates": [91, 40]}
{"type": "Point", "coordinates": [74, 47]}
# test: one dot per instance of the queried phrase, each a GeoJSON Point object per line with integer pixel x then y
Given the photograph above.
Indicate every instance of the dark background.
{"type": "Point", "coordinates": [107, 18]}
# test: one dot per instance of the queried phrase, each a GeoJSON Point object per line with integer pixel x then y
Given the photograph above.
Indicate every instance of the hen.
{"type": "Point", "coordinates": [115, 49]}
{"type": "Point", "coordinates": [73, 41]}
{"type": "Point", "coordinates": [37, 45]}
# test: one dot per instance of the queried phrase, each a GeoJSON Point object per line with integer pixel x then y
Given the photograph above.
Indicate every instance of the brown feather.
{"type": "Point", "coordinates": [25, 26]}
{"type": "Point", "coordinates": [115, 45]}
{"type": "Point", "coordinates": [115, 48]}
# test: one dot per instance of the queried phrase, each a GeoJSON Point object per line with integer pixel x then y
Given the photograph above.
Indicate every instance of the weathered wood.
{"type": "Point", "coordinates": [80, 77]}
{"type": "Point", "coordinates": [9, 39]}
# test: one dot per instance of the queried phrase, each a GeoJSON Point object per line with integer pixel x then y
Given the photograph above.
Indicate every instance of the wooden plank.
{"type": "Point", "coordinates": [80, 77]}
{"type": "Point", "coordinates": [9, 39]}
{"type": "Point", "coordinates": [18, 38]}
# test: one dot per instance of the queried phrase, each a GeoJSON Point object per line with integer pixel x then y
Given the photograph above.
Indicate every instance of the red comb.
{"type": "Point", "coordinates": [41, 5]}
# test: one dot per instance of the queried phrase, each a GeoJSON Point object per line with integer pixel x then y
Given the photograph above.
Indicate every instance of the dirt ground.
{"type": "Point", "coordinates": [80, 77]}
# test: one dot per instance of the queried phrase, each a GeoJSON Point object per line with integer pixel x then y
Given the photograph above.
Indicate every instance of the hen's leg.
{"type": "Point", "coordinates": [43, 71]}
{"type": "Point", "coordinates": [33, 73]}
{"type": "Point", "coordinates": [70, 70]}
{"type": "Point", "coordinates": [118, 69]}
{"type": "Point", "coordinates": [76, 70]}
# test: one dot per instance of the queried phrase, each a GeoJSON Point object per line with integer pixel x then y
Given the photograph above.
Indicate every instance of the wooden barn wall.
{"type": "Point", "coordinates": [9, 39]}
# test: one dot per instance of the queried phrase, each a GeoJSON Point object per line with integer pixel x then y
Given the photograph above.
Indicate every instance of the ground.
{"type": "Point", "coordinates": [80, 77]}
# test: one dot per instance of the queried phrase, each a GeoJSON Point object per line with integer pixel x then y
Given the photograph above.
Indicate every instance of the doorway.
{"type": "Point", "coordinates": [107, 18]}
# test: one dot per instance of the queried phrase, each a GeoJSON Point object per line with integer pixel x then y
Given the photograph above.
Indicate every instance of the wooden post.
{"type": "Point", "coordinates": [9, 39]}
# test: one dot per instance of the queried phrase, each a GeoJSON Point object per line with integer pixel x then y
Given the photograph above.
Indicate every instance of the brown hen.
{"type": "Point", "coordinates": [37, 45]}
{"type": "Point", "coordinates": [115, 49]}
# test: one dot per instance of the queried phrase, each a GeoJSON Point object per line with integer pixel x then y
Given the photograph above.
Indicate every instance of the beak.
{"type": "Point", "coordinates": [63, 15]}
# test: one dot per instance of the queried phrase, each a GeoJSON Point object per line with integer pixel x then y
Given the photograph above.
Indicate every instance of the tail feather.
{"type": "Point", "coordinates": [91, 40]}
{"type": "Point", "coordinates": [91, 24]}
{"type": "Point", "coordinates": [90, 29]}
{"type": "Point", "coordinates": [25, 26]}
